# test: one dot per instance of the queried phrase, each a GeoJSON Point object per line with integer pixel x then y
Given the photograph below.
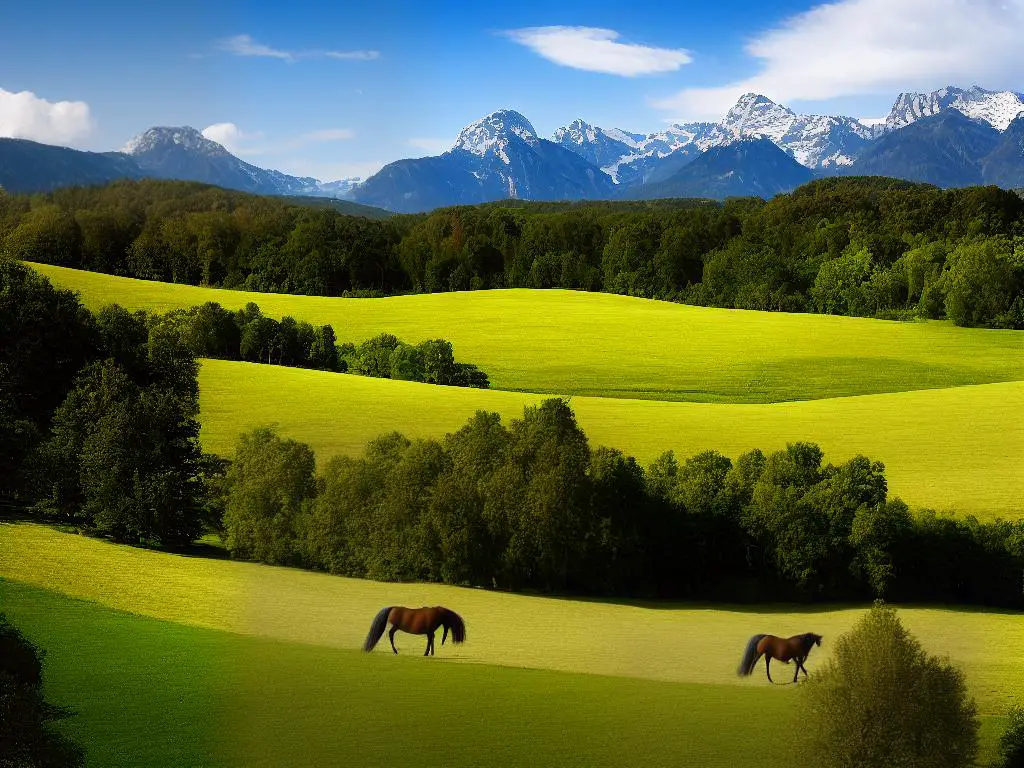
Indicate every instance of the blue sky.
{"type": "Point", "coordinates": [334, 89]}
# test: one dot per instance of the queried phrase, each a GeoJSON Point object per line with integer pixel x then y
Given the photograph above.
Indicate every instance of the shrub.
{"type": "Point", "coordinates": [26, 739]}
{"type": "Point", "coordinates": [883, 701]}
{"type": "Point", "coordinates": [1011, 744]}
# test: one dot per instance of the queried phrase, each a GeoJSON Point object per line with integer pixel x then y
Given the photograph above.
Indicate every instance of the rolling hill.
{"type": "Point", "coordinates": [198, 661]}
{"type": "Point", "coordinates": [575, 343]}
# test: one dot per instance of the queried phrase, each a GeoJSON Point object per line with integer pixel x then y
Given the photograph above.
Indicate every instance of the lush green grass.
{"type": "Point", "coordinates": [601, 344]}
{"type": "Point", "coordinates": [956, 448]}
{"type": "Point", "coordinates": [234, 664]}
{"type": "Point", "coordinates": [669, 643]}
{"type": "Point", "coordinates": [154, 693]}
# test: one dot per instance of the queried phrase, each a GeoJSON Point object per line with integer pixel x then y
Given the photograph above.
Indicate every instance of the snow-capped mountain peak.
{"type": "Point", "coordinates": [580, 132]}
{"type": "Point", "coordinates": [489, 132]}
{"type": "Point", "coordinates": [756, 114]}
{"type": "Point", "coordinates": [185, 137]}
{"type": "Point", "coordinates": [997, 108]}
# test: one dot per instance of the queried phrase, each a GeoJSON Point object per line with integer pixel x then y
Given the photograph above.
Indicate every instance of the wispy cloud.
{"type": "Point", "coordinates": [353, 55]}
{"type": "Point", "coordinates": [431, 145]}
{"type": "Point", "coordinates": [327, 134]}
{"type": "Point", "coordinates": [245, 45]}
{"type": "Point", "coordinates": [596, 50]}
{"type": "Point", "coordinates": [244, 143]}
{"type": "Point", "coordinates": [855, 47]}
{"type": "Point", "coordinates": [24, 115]}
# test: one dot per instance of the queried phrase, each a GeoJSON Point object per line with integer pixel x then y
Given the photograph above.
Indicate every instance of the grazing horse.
{"type": "Point", "coordinates": [416, 621]}
{"type": "Point", "coordinates": [784, 649]}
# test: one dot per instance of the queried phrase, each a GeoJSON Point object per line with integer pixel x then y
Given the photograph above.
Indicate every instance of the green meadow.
{"type": "Point", "coordinates": [575, 343]}
{"type": "Point", "coordinates": [173, 660]}
{"type": "Point", "coordinates": [956, 448]}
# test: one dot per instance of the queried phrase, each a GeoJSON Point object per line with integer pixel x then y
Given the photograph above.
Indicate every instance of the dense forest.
{"type": "Point", "coordinates": [857, 246]}
{"type": "Point", "coordinates": [99, 430]}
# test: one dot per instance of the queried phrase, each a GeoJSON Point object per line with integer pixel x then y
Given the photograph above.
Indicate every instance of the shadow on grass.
{"type": "Point", "coordinates": [210, 546]}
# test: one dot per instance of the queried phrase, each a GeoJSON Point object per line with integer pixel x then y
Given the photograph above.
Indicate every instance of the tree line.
{"type": "Point", "coordinates": [211, 331]}
{"type": "Point", "coordinates": [531, 506]}
{"type": "Point", "coordinates": [98, 429]}
{"type": "Point", "coordinates": [858, 246]}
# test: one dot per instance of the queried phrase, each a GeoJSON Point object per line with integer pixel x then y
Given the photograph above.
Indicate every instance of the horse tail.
{"type": "Point", "coordinates": [380, 621]}
{"type": "Point", "coordinates": [750, 656]}
{"type": "Point", "coordinates": [458, 626]}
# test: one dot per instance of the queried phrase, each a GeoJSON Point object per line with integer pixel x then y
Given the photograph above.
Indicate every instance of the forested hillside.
{"type": "Point", "coordinates": [858, 246]}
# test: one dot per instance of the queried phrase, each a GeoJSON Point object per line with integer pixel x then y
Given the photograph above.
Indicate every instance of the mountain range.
{"type": "Point", "coordinates": [950, 137]}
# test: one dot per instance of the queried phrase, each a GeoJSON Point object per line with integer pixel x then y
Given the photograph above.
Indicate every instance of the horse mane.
{"type": "Point", "coordinates": [458, 626]}
{"type": "Point", "coordinates": [810, 639]}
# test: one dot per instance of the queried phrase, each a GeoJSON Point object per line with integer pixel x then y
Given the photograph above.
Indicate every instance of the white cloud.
{"type": "Point", "coordinates": [230, 136]}
{"type": "Point", "coordinates": [24, 115]}
{"type": "Point", "coordinates": [430, 145]}
{"type": "Point", "coordinates": [596, 50]}
{"type": "Point", "coordinates": [854, 47]}
{"type": "Point", "coordinates": [242, 143]}
{"type": "Point", "coordinates": [244, 45]}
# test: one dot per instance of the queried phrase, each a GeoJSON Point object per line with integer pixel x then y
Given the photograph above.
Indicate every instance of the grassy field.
{"type": "Point", "coordinates": [240, 664]}
{"type": "Point", "coordinates": [600, 344]}
{"type": "Point", "coordinates": [956, 448]}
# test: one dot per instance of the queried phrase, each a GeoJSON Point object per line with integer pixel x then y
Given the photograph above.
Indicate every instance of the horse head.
{"type": "Point", "coordinates": [814, 639]}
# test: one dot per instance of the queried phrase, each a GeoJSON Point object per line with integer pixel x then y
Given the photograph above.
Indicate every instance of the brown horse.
{"type": "Point", "coordinates": [416, 621]}
{"type": "Point", "coordinates": [794, 648]}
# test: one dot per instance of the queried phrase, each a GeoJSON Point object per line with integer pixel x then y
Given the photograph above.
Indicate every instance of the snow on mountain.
{"type": "Point", "coordinates": [489, 134]}
{"type": "Point", "coordinates": [339, 188]}
{"type": "Point", "coordinates": [185, 138]}
{"type": "Point", "coordinates": [497, 157]}
{"type": "Point", "coordinates": [602, 147]}
{"type": "Point", "coordinates": [184, 153]}
{"type": "Point", "coordinates": [816, 141]}
{"type": "Point", "coordinates": [997, 108]}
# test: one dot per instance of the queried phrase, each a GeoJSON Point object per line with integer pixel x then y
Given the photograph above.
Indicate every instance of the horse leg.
{"type": "Point", "coordinates": [430, 644]}
{"type": "Point", "coordinates": [768, 667]}
{"type": "Point", "coordinates": [803, 667]}
{"type": "Point", "coordinates": [796, 672]}
{"type": "Point", "coordinates": [391, 637]}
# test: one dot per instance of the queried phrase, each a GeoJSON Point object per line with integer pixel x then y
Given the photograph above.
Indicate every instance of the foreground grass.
{"type": "Point", "coordinates": [155, 693]}
{"type": "Point", "coordinates": [952, 449]}
{"type": "Point", "coordinates": [601, 344]}
{"type": "Point", "coordinates": [690, 644]}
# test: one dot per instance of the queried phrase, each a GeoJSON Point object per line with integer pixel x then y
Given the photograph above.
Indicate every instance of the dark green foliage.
{"type": "Point", "coordinates": [375, 355]}
{"type": "Point", "coordinates": [882, 701]}
{"type": "Point", "coordinates": [532, 506]}
{"type": "Point", "coordinates": [166, 342]}
{"type": "Point", "coordinates": [860, 245]}
{"type": "Point", "coordinates": [120, 455]}
{"type": "Point", "coordinates": [1011, 743]}
{"type": "Point", "coordinates": [323, 353]}
{"type": "Point", "coordinates": [267, 484]}
{"type": "Point", "coordinates": [46, 336]}
{"type": "Point", "coordinates": [27, 738]}
{"type": "Point", "coordinates": [979, 282]}
{"type": "Point", "coordinates": [124, 459]}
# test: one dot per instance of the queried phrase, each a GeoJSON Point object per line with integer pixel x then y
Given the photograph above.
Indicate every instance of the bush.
{"type": "Point", "coordinates": [1011, 744]}
{"type": "Point", "coordinates": [883, 701]}
{"type": "Point", "coordinates": [26, 739]}
{"type": "Point", "coordinates": [268, 482]}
